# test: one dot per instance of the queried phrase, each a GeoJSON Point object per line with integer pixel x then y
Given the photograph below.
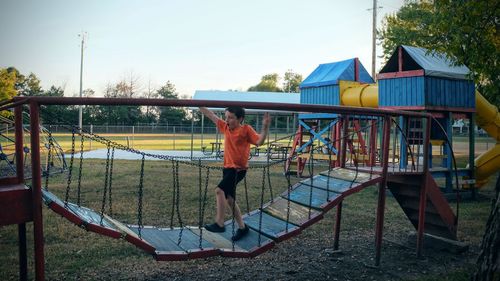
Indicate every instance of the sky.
{"type": "Point", "coordinates": [194, 44]}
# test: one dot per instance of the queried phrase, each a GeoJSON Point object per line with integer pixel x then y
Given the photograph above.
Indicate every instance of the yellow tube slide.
{"type": "Point", "coordinates": [488, 118]}
{"type": "Point", "coordinates": [357, 94]}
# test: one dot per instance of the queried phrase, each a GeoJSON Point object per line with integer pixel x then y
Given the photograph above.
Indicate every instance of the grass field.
{"type": "Point", "coordinates": [143, 141]}
{"type": "Point", "coordinates": [73, 254]}
{"type": "Point", "coordinates": [183, 141]}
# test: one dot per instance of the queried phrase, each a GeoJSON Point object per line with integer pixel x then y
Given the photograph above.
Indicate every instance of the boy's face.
{"type": "Point", "coordinates": [232, 121]}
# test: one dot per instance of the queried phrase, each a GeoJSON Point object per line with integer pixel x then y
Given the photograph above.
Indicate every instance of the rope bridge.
{"type": "Point", "coordinates": [283, 216]}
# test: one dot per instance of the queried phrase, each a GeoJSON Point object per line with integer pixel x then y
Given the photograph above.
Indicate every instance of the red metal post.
{"type": "Point", "coordinates": [23, 256]}
{"type": "Point", "coordinates": [336, 137]}
{"type": "Point", "coordinates": [344, 139]}
{"type": "Point", "coordinates": [400, 59]}
{"type": "Point", "coordinates": [373, 143]}
{"type": "Point", "coordinates": [338, 218]}
{"type": "Point", "coordinates": [37, 190]}
{"type": "Point", "coordinates": [423, 190]}
{"type": "Point", "coordinates": [356, 69]}
{"type": "Point", "coordinates": [381, 189]}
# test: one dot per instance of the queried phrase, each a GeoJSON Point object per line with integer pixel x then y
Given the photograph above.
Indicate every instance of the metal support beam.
{"type": "Point", "coordinates": [338, 218]}
{"type": "Point", "coordinates": [381, 189]}
{"type": "Point", "coordinates": [37, 190]}
{"type": "Point", "coordinates": [426, 125]}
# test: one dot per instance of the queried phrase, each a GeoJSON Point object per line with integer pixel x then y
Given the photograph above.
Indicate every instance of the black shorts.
{"type": "Point", "coordinates": [230, 178]}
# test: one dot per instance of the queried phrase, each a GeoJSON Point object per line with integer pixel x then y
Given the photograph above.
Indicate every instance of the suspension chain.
{"type": "Point", "coordinates": [289, 190]}
{"type": "Point", "coordinates": [270, 186]}
{"type": "Point", "coordinates": [204, 204]}
{"type": "Point", "coordinates": [104, 193]}
{"type": "Point", "coordinates": [311, 171]}
{"type": "Point", "coordinates": [139, 203]}
{"type": "Point", "coordinates": [80, 170]}
{"type": "Point", "coordinates": [199, 203]}
{"type": "Point", "coordinates": [174, 189]}
{"type": "Point", "coordinates": [179, 218]}
{"type": "Point", "coordinates": [110, 202]}
{"type": "Point", "coordinates": [70, 169]}
{"type": "Point", "coordinates": [263, 188]}
{"type": "Point", "coordinates": [49, 161]}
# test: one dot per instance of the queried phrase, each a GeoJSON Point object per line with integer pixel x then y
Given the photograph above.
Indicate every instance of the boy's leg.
{"type": "Point", "coordinates": [221, 206]}
{"type": "Point", "coordinates": [237, 212]}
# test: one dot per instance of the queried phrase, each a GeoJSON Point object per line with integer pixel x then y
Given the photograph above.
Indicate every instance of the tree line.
{"type": "Point", "coordinates": [13, 83]}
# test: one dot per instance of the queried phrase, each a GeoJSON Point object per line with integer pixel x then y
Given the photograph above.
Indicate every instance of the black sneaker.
{"type": "Point", "coordinates": [214, 227]}
{"type": "Point", "coordinates": [240, 233]}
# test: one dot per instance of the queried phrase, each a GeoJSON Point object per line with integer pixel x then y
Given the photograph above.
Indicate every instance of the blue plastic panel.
{"type": "Point", "coordinates": [326, 95]}
{"type": "Point", "coordinates": [444, 92]}
{"type": "Point", "coordinates": [406, 91]}
{"type": "Point", "coordinates": [423, 91]}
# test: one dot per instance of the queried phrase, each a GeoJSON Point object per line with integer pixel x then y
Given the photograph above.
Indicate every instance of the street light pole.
{"type": "Point", "coordinates": [374, 38]}
{"type": "Point", "coordinates": [80, 108]}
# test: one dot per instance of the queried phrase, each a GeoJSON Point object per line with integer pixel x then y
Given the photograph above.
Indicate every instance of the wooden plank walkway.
{"type": "Point", "coordinates": [282, 218]}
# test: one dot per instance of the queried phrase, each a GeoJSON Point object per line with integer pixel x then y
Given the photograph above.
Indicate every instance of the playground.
{"type": "Point", "coordinates": [370, 186]}
{"type": "Point", "coordinates": [73, 253]}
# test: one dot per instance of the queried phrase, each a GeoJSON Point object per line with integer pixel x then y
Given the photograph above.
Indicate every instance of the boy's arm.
{"type": "Point", "coordinates": [209, 114]}
{"type": "Point", "coordinates": [265, 129]}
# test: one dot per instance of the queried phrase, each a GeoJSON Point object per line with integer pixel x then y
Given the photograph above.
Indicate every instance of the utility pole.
{"type": "Point", "coordinates": [80, 108]}
{"type": "Point", "coordinates": [374, 37]}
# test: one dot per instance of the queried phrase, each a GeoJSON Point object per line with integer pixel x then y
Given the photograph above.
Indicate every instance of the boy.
{"type": "Point", "coordinates": [237, 140]}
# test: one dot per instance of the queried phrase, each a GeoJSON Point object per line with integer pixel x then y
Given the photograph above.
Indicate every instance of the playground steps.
{"type": "Point", "coordinates": [439, 217]}
{"type": "Point", "coordinates": [286, 216]}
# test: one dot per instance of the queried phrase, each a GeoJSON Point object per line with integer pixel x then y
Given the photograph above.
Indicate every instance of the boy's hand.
{"type": "Point", "coordinates": [266, 120]}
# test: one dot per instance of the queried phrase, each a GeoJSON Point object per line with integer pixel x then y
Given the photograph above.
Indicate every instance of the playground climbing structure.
{"type": "Point", "coordinates": [362, 146]}
{"type": "Point", "coordinates": [290, 209]}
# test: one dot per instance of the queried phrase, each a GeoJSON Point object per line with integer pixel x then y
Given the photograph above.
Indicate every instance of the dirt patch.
{"type": "Point", "coordinates": [309, 256]}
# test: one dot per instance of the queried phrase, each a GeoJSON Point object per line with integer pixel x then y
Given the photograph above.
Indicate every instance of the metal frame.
{"type": "Point", "coordinates": [36, 204]}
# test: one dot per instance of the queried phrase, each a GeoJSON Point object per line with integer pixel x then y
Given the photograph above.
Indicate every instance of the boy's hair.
{"type": "Point", "coordinates": [239, 112]}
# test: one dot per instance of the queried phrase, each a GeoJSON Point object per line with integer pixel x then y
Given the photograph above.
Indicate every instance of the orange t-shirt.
{"type": "Point", "coordinates": [237, 144]}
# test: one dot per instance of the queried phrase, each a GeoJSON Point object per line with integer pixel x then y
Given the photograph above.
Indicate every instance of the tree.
{"type": "Point", "coordinates": [170, 114]}
{"type": "Point", "coordinates": [23, 86]}
{"type": "Point", "coordinates": [167, 91]}
{"type": "Point", "coordinates": [411, 25]}
{"type": "Point", "coordinates": [7, 88]}
{"type": "Point", "coordinates": [466, 31]}
{"type": "Point", "coordinates": [292, 82]}
{"type": "Point", "coordinates": [88, 93]}
{"type": "Point", "coordinates": [268, 83]}
{"type": "Point", "coordinates": [53, 114]}
{"type": "Point", "coordinates": [26, 86]}
{"type": "Point", "coordinates": [7, 85]}
{"type": "Point", "coordinates": [151, 112]}
{"type": "Point", "coordinates": [120, 114]}
{"type": "Point", "coordinates": [488, 263]}
{"type": "Point", "coordinates": [471, 30]}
